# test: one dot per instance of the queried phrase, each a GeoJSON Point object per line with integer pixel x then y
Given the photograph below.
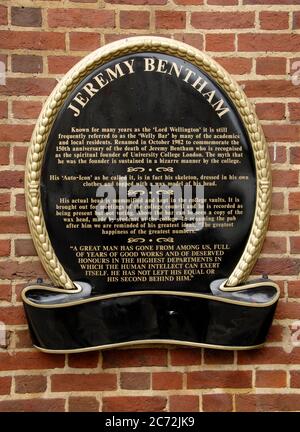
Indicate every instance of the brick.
{"type": "Point", "coordinates": [195, 40]}
{"type": "Point", "coordinates": [223, 2]}
{"type": "Point", "coordinates": [275, 333]}
{"type": "Point", "coordinates": [295, 155]}
{"type": "Point", "coordinates": [271, 88]}
{"type": "Point", "coordinates": [3, 15]}
{"type": "Point", "coordinates": [267, 402]}
{"type": "Point", "coordinates": [15, 133]}
{"type": "Point", "coordinates": [269, 355]}
{"type": "Point", "coordinates": [261, 42]}
{"type": "Point", "coordinates": [183, 403]}
{"type": "Point", "coordinates": [19, 155]}
{"type": "Point", "coordinates": [30, 384]}
{"type": "Point", "coordinates": [294, 110]}
{"type": "Point", "coordinates": [83, 382]}
{"type": "Point", "coordinates": [20, 202]}
{"type": "Point", "coordinates": [4, 202]}
{"type": "Point", "coordinates": [294, 289]}
{"type": "Point", "coordinates": [134, 404]}
{"type": "Point", "coordinates": [277, 201]}
{"type": "Point", "coordinates": [4, 154]}
{"type": "Point", "coordinates": [5, 385]}
{"type": "Point", "coordinates": [134, 19]}
{"type": "Point", "coordinates": [273, 379]}
{"type": "Point", "coordinates": [5, 292]}
{"type": "Point", "coordinates": [281, 285]}
{"type": "Point", "coordinates": [287, 310]}
{"type": "Point", "coordinates": [26, 270]}
{"type": "Point", "coordinates": [11, 179]}
{"type": "Point", "coordinates": [284, 223]}
{"type": "Point", "coordinates": [167, 380]}
{"type": "Point", "coordinates": [274, 245]}
{"type": "Point", "coordinates": [217, 402]}
{"type": "Point", "coordinates": [12, 315]}
{"type": "Point", "coordinates": [26, 16]}
{"type": "Point", "coordinates": [295, 245]}
{"type": "Point", "coordinates": [26, 63]}
{"type": "Point", "coordinates": [84, 360]}
{"type": "Point", "coordinates": [33, 40]}
{"type": "Point", "coordinates": [3, 110]}
{"type": "Point", "coordinates": [4, 248]}
{"type": "Point", "coordinates": [30, 361]}
{"type": "Point", "coordinates": [170, 20]}
{"type": "Point", "coordinates": [271, 66]}
{"type": "Point", "coordinates": [134, 358]}
{"type": "Point", "coordinates": [278, 155]}
{"type": "Point", "coordinates": [270, 2]}
{"type": "Point", "coordinates": [222, 20]}
{"type": "Point", "coordinates": [80, 41]}
{"type": "Point", "coordinates": [26, 109]}
{"type": "Point", "coordinates": [218, 357]}
{"type": "Point", "coordinates": [19, 287]}
{"type": "Point", "coordinates": [282, 178]}
{"type": "Point", "coordinates": [86, 18]}
{"type": "Point", "coordinates": [294, 201]}
{"type": "Point", "coordinates": [23, 339]}
{"type": "Point", "coordinates": [108, 38]}
{"type": "Point", "coordinates": [295, 379]}
{"type": "Point", "coordinates": [27, 87]}
{"type": "Point", "coordinates": [189, 2]}
{"type": "Point", "coordinates": [83, 404]}
{"type": "Point", "coordinates": [235, 65]}
{"type": "Point", "coordinates": [33, 405]}
{"type": "Point", "coordinates": [218, 42]}
{"type": "Point", "coordinates": [185, 356]}
{"type": "Point", "coordinates": [282, 133]}
{"type": "Point", "coordinates": [277, 266]}
{"type": "Point", "coordinates": [24, 247]}
{"type": "Point", "coordinates": [62, 64]}
{"type": "Point", "coordinates": [274, 20]}
{"type": "Point", "coordinates": [270, 111]}
{"type": "Point", "coordinates": [296, 20]}
{"type": "Point", "coordinates": [219, 379]}
{"type": "Point", "coordinates": [138, 2]}
{"type": "Point", "coordinates": [4, 59]}
{"type": "Point", "coordinates": [135, 380]}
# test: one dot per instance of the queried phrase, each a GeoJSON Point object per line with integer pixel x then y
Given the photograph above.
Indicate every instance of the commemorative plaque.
{"type": "Point", "coordinates": [148, 196]}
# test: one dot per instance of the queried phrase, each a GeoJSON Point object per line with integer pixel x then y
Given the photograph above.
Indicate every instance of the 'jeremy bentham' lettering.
{"type": "Point", "coordinates": [121, 69]}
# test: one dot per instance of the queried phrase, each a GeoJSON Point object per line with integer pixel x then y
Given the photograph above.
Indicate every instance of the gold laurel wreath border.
{"type": "Point", "coordinates": [97, 58]}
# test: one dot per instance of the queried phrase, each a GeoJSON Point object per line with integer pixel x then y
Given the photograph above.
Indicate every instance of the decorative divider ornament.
{"type": "Point", "coordinates": [153, 86]}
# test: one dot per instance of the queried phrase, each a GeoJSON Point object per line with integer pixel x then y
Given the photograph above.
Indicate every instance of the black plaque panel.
{"type": "Point", "coordinates": [139, 130]}
{"type": "Point", "coordinates": [161, 105]}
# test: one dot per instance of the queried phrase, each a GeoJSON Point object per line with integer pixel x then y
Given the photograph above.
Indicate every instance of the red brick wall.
{"type": "Point", "coordinates": [258, 42]}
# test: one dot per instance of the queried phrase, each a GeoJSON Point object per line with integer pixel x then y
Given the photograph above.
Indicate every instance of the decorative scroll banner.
{"type": "Point", "coordinates": [148, 193]}
{"type": "Point", "coordinates": [235, 320]}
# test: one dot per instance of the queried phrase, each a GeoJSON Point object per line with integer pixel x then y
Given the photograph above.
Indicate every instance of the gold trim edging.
{"type": "Point", "coordinates": [99, 57]}
{"type": "Point", "coordinates": [150, 341]}
{"type": "Point", "coordinates": [156, 292]}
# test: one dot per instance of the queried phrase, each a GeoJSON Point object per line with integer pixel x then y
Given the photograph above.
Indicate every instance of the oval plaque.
{"type": "Point", "coordinates": [148, 182]}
